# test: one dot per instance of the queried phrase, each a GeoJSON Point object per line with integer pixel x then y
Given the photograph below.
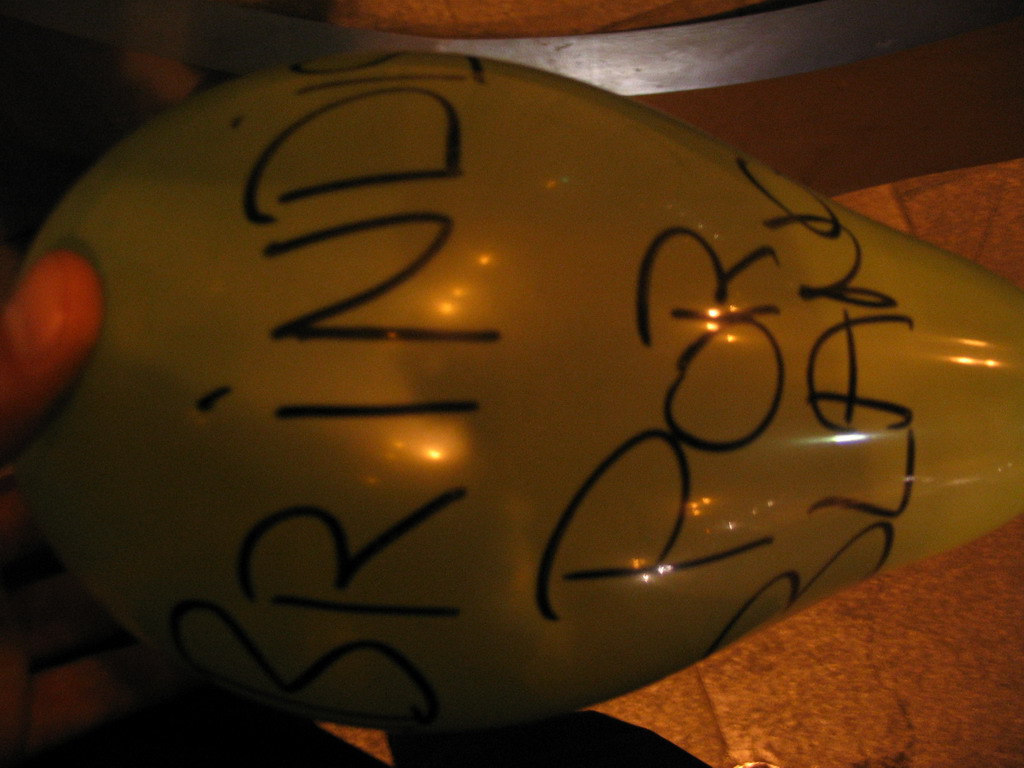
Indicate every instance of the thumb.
{"type": "Point", "coordinates": [47, 330]}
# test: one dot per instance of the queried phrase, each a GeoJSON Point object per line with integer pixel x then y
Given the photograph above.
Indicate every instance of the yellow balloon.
{"type": "Point", "coordinates": [440, 393]}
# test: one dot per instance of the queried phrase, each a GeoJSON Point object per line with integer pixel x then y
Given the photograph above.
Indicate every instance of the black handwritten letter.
{"type": "Point", "coordinates": [851, 399]}
{"type": "Point", "coordinates": [447, 164]}
{"type": "Point", "coordinates": [724, 322]}
{"type": "Point", "coordinates": [659, 438]}
{"type": "Point", "coordinates": [723, 276]}
{"type": "Point", "coordinates": [826, 225]}
{"type": "Point", "coordinates": [312, 325]}
{"type": "Point", "coordinates": [347, 563]}
{"type": "Point", "coordinates": [907, 479]}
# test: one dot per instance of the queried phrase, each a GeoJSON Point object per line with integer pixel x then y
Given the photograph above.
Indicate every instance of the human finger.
{"type": "Point", "coordinates": [47, 329]}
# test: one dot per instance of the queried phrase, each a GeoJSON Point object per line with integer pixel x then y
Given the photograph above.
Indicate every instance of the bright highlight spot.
{"type": "Point", "coordinates": [853, 437]}
{"type": "Point", "coordinates": [975, 361]}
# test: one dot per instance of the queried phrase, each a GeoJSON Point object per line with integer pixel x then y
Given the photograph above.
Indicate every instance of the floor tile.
{"type": "Point", "coordinates": [919, 668]}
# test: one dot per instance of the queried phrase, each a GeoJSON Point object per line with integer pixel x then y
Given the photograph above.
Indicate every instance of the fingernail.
{"type": "Point", "coordinates": [35, 317]}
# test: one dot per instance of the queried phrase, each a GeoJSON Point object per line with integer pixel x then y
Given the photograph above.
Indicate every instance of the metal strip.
{"type": "Point", "coordinates": [229, 38]}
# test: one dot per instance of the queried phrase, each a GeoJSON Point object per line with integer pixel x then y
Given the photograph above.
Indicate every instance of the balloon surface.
{"type": "Point", "coordinates": [440, 393]}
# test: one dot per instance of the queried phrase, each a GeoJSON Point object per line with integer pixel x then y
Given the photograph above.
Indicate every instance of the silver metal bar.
{"type": "Point", "coordinates": [744, 48]}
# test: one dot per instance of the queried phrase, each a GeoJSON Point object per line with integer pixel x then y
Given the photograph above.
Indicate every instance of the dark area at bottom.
{"type": "Point", "coordinates": [211, 727]}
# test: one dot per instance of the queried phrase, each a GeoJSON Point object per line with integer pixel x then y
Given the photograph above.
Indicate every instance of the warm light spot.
{"type": "Point", "coordinates": [975, 361]}
{"type": "Point", "coordinates": [711, 327]}
{"type": "Point", "coordinates": [730, 338]}
{"type": "Point", "coordinates": [458, 292]}
{"type": "Point", "coordinates": [434, 454]}
{"type": "Point", "coordinates": [706, 500]}
{"type": "Point", "coordinates": [714, 312]}
{"type": "Point", "coordinates": [446, 307]}
{"type": "Point", "coordinates": [551, 183]}
{"type": "Point", "coordinates": [484, 259]}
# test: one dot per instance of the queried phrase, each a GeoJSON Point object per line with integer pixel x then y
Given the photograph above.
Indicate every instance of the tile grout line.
{"type": "Point", "coordinates": [709, 701]}
{"type": "Point", "coordinates": [908, 223]}
{"type": "Point", "coordinates": [999, 198]}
